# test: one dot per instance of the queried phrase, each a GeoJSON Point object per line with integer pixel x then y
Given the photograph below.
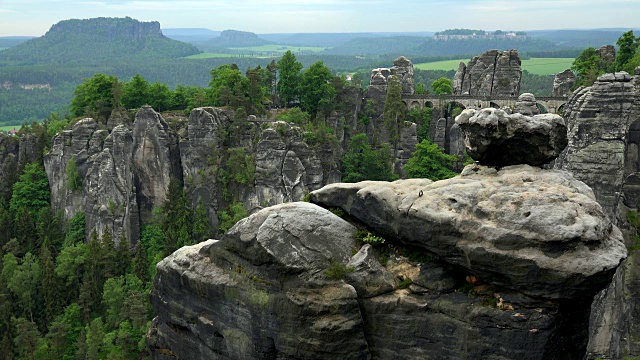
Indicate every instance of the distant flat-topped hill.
{"type": "Point", "coordinates": [235, 38]}
{"type": "Point", "coordinates": [99, 39]}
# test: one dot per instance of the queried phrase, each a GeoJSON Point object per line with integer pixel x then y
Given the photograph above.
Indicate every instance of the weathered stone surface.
{"type": "Point", "coordinates": [109, 189]}
{"type": "Point", "coordinates": [607, 53]}
{"type": "Point", "coordinates": [155, 158]}
{"type": "Point", "coordinates": [523, 228]}
{"type": "Point", "coordinates": [405, 147]}
{"type": "Point", "coordinates": [458, 78]}
{"type": "Point", "coordinates": [81, 144]}
{"type": "Point", "coordinates": [602, 137]}
{"type": "Point", "coordinates": [526, 105]}
{"type": "Point", "coordinates": [403, 69]}
{"type": "Point", "coordinates": [603, 131]}
{"type": "Point", "coordinates": [496, 138]}
{"type": "Point", "coordinates": [200, 148]}
{"type": "Point", "coordinates": [493, 73]}
{"type": "Point", "coordinates": [369, 277]}
{"type": "Point", "coordinates": [562, 83]}
{"type": "Point", "coordinates": [261, 292]}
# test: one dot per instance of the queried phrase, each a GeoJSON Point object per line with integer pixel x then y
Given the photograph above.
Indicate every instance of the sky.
{"type": "Point", "coordinates": [35, 17]}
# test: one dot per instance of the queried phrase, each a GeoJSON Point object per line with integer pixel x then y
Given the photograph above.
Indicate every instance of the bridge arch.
{"type": "Point", "coordinates": [542, 108]}
{"type": "Point", "coordinates": [414, 105]}
{"type": "Point", "coordinates": [561, 109]}
{"type": "Point", "coordinates": [494, 105]}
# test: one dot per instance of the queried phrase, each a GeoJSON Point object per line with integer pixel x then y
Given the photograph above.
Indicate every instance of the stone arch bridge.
{"type": "Point", "coordinates": [548, 104]}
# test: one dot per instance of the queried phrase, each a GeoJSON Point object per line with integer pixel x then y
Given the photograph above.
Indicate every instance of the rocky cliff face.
{"type": "Point", "coordinates": [125, 172]}
{"type": "Point", "coordinates": [489, 264]}
{"type": "Point", "coordinates": [493, 73]}
{"type": "Point", "coordinates": [291, 281]}
{"type": "Point", "coordinates": [375, 98]}
{"type": "Point", "coordinates": [603, 148]}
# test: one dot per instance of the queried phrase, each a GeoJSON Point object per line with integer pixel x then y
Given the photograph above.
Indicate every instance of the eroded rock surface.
{"type": "Point", "coordinates": [496, 138]}
{"type": "Point", "coordinates": [562, 83]}
{"type": "Point", "coordinates": [493, 73]}
{"type": "Point", "coordinates": [530, 246]}
{"type": "Point", "coordinates": [526, 105]}
{"type": "Point", "coordinates": [536, 231]}
{"type": "Point", "coordinates": [603, 125]}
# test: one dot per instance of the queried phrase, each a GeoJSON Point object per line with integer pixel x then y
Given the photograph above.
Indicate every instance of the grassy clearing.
{"type": "Point", "coordinates": [280, 48]}
{"type": "Point", "coordinates": [538, 66]}
{"type": "Point", "coordinates": [211, 55]}
{"type": "Point", "coordinates": [547, 66]}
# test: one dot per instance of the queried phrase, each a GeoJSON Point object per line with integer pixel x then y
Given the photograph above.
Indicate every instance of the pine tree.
{"type": "Point", "coordinates": [49, 286]}
{"type": "Point", "coordinates": [394, 110]}
{"type": "Point", "coordinates": [177, 218]}
{"type": "Point", "coordinates": [124, 256]}
{"type": "Point", "coordinates": [141, 263]}
{"type": "Point", "coordinates": [201, 225]}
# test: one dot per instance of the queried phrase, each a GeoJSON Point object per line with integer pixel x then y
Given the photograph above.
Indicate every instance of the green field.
{"type": "Point", "coordinates": [211, 55]}
{"type": "Point", "coordinates": [538, 66]}
{"type": "Point", "coordinates": [280, 48]}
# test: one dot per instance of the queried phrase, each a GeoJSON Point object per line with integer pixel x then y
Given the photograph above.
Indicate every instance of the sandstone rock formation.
{"type": "Point", "coordinates": [562, 83]}
{"type": "Point", "coordinates": [603, 149]}
{"type": "Point", "coordinates": [526, 105]}
{"type": "Point", "coordinates": [291, 282]}
{"type": "Point", "coordinates": [492, 74]}
{"type": "Point", "coordinates": [603, 125]}
{"type": "Point", "coordinates": [607, 53]}
{"type": "Point", "coordinates": [496, 138]}
{"type": "Point", "coordinates": [402, 69]}
{"type": "Point", "coordinates": [125, 172]}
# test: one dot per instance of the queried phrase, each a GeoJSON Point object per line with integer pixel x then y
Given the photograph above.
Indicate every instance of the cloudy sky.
{"type": "Point", "coordinates": [34, 17]}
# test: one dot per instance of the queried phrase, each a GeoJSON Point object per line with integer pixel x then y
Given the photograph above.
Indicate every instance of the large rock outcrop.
{"type": "Point", "coordinates": [493, 74]}
{"type": "Point", "coordinates": [496, 138]}
{"type": "Point", "coordinates": [603, 148]}
{"type": "Point", "coordinates": [603, 123]}
{"type": "Point", "coordinates": [290, 281]}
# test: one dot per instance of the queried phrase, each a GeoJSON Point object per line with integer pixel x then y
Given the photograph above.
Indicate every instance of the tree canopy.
{"type": "Point", "coordinates": [288, 84]}
{"type": "Point", "coordinates": [361, 162]}
{"type": "Point", "coordinates": [442, 86]}
{"type": "Point", "coordinates": [430, 162]}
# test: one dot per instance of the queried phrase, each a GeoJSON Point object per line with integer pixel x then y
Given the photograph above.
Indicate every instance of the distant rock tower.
{"type": "Point", "coordinates": [562, 83]}
{"type": "Point", "coordinates": [402, 68]}
{"type": "Point", "coordinates": [493, 74]}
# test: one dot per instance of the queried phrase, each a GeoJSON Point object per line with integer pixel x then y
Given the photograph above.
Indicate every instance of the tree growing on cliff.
{"type": "Point", "coordinates": [588, 66]}
{"type": "Point", "coordinates": [289, 68]}
{"type": "Point", "coordinates": [430, 162]}
{"type": "Point", "coordinates": [628, 45]}
{"type": "Point", "coordinates": [135, 93]}
{"type": "Point", "coordinates": [94, 96]}
{"type": "Point", "coordinates": [394, 110]}
{"type": "Point", "coordinates": [315, 88]}
{"type": "Point", "coordinates": [228, 86]}
{"type": "Point", "coordinates": [361, 162]}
